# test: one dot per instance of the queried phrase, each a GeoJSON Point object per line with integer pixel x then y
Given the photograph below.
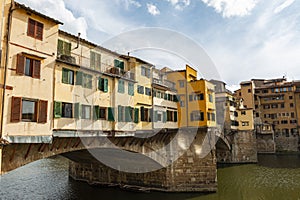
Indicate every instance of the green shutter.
{"type": "Point", "coordinates": [79, 78]}
{"type": "Point", "coordinates": [120, 114]}
{"type": "Point", "coordinates": [117, 63]}
{"type": "Point", "coordinates": [92, 60]}
{"type": "Point", "coordinates": [65, 73]}
{"type": "Point", "coordinates": [136, 115]}
{"type": "Point", "coordinates": [67, 48]}
{"type": "Point", "coordinates": [175, 116]}
{"type": "Point", "coordinates": [121, 65]}
{"type": "Point", "coordinates": [165, 96]}
{"type": "Point", "coordinates": [164, 117]}
{"type": "Point", "coordinates": [131, 89]}
{"type": "Point", "coordinates": [96, 113]}
{"type": "Point", "coordinates": [128, 114]}
{"type": "Point", "coordinates": [60, 47]}
{"type": "Point", "coordinates": [77, 110]}
{"type": "Point", "coordinates": [111, 114]}
{"type": "Point", "coordinates": [57, 109]}
{"type": "Point", "coordinates": [98, 61]}
{"type": "Point", "coordinates": [121, 86]}
{"type": "Point", "coordinates": [99, 83]}
{"type": "Point", "coordinates": [105, 85]}
{"type": "Point", "coordinates": [155, 116]}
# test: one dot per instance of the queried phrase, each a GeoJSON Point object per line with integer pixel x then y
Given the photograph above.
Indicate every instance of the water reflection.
{"type": "Point", "coordinates": [48, 179]}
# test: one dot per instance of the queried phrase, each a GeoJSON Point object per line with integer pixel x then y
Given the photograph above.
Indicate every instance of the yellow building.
{"type": "Point", "coordinates": [197, 98]}
{"type": "Point", "coordinates": [28, 47]}
{"type": "Point", "coordinates": [93, 89]}
{"type": "Point", "coordinates": [165, 102]}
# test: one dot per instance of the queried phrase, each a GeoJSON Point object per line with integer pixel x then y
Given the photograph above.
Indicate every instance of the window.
{"type": "Point", "coordinates": [197, 116]}
{"type": "Point", "coordinates": [111, 114]}
{"type": "Point", "coordinates": [95, 60]}
{"type": "Point", "coordinates": [35, 29]}
{"type": "Point", "coordinates": [140, 89]}
{"type": "Point", "coordinates": [290, 97]}
{"type": "Point", "coordinates": [291, 105]}
{"type": "Point", "coordinates": [292, 115]}
{"type": "Point", "coordinates": [182, 104]}
{"type": "Point", "coordinates": [99, 113]}
{"type": "Point", "coordinates": [67, 76]}
{"type": "Point", "coordinates": [249, 90]}
{"type": "Point", "coordinates": [169, 116]}
{"type": "Point", "coordinates": [210, 98]}
{"type": "Point", "coordinates": [191, 97]}
{"type": "Point", "coordinates": [131, 89]}
{"type": "Point", "coordinates": [213, 117]}
{"type": "Point", "coordinates": [257, 114]}
{"type": "Point", "coordinates": [282, 105]}
{"type": "Point", "coordinates": [85, 112]}
{"type": "Point", "coordinates": [145, 72]}
{"type": "Point", "coordinates": [28, 66]}
{"type": "Point", "coordinates": [64, 48]}
{"type": "Point", "coordinates": [145, 114]}
{"type": "Point", "coordinates": [181, 84]}
{"type": "Point", "coordinates": [245, 123]}
{"type": "Point", "coordinates": [119, 64]}
{"type": "Point", "coordinates": [28, 110]}
{"type": "Point", "coordinates": [121, 88]}
{"type": "Point", "coordinates": [85, 80]}
{"type": "Point", "coordinates": [129, 111]}
{"type": "Point", "coordinates": [243, 113]}
{"type": "Point", "coordinates": [103, 84]}
{"type": "Point", "coordinates": [148, 91]}
{"type": "Point", "coordinates": [284, 121]}
{"type": "Point", "coordinates": [67, 110]}
{"type": "Point", "coordinates": [208, 116]}
{"type": "Point", "coordinates": [121, 117]}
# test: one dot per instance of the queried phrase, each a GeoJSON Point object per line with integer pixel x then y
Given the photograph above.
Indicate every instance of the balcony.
{"type": "Point", "coordinates": [122, 73]}
{"type": "Point", "coordinates": [68, 59]}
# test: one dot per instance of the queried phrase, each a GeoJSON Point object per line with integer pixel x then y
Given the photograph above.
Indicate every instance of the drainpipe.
{"type": "Point", "coordinates": [8, 32]}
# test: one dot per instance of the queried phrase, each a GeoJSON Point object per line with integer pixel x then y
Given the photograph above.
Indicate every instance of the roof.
{"type": "Point", "coordinates": [138, 59]}
{"type": "Point", "coordinates": [30, 10]}
{"type": "Point", "coordinates": [88, 42]}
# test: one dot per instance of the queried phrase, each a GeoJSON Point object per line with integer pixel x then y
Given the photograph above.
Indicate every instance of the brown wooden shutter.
{"type": "Point", "coordinates": [16, 109]}
{"type": "Point", "coordinates": [31, 28]}
{"type": "Point", "coordinates": [39, 30]}
{"type": "Point", "coordinates": [36, 73]}
{"type": "Point", "coordinates": [42, 113]}
{"type": "Point", "coordinates": [20, 64]}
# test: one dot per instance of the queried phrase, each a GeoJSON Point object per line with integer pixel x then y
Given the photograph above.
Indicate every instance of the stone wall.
{"type": "Point", "coordinates": [244, 147]}
{"type": "Point", "coordinates": [265, 143]}
{"type": "Point", "coordinates": [284, 143]}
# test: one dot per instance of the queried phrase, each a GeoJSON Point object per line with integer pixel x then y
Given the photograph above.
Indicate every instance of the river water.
{"type": "Point", "coordinates": [275, 177]}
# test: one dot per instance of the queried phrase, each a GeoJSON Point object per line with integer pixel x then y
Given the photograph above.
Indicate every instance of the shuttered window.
{"type": "Point", "coordinates": [86, 112]}
{"type": "Point", "coordinates": [131, 89]}
{"type": "Point", "coordinates": [119, 64]}
{"type": "Point", "coordinates": [121, 114]}
{"type": "Point", "coordinates": [79, 77]}
{"type": "Point", "coordinates": [95, 60]}
{"type": "Point", "coordinates": [67, 76]}
{"type": "Point", "coordinates": [77, 110]}
{"type": "Point", "coordinates": [35, 29]}
{"type": "Point", "coordinates": [103, 84]}
{"type": "Point", "coordinates": [99, 113]}
{"type": "Point", "coordinates": [28, 110]}
{"type": "Point", "coordinates": [121, 88]}
{"type": "Point", "coordinates": [28, 66]}
{"type": "Point", "coordinates": [129, 114]}
{"type": "Point", "coordinates": [64, 48]}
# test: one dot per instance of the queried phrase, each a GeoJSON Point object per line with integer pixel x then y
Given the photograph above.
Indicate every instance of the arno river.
{"type": "Point", "coordinates": [275, 177]}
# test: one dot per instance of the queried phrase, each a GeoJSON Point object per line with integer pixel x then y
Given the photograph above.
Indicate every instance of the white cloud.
{"type": "Point", "coordinates": [128, 3]}
{"type": "Point", "coordinates": [231, 8]}
{"type": "Point", "coordinates": [179, 4]}
{"type": "Point", "coordinates": [152, 9]}
{"type": "Point", "coordinates": [284, 5]}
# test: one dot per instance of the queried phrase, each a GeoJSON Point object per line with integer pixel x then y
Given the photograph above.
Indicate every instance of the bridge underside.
{"type": "Point", "coordinates": [176, 162]}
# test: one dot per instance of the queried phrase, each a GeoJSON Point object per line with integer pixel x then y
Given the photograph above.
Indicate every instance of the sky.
{"type": "Point", "coordinates": [245, 39]}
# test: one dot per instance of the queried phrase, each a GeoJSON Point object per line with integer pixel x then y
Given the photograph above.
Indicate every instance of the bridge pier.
{"type": "Point", "coordinates": [194, 171]}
